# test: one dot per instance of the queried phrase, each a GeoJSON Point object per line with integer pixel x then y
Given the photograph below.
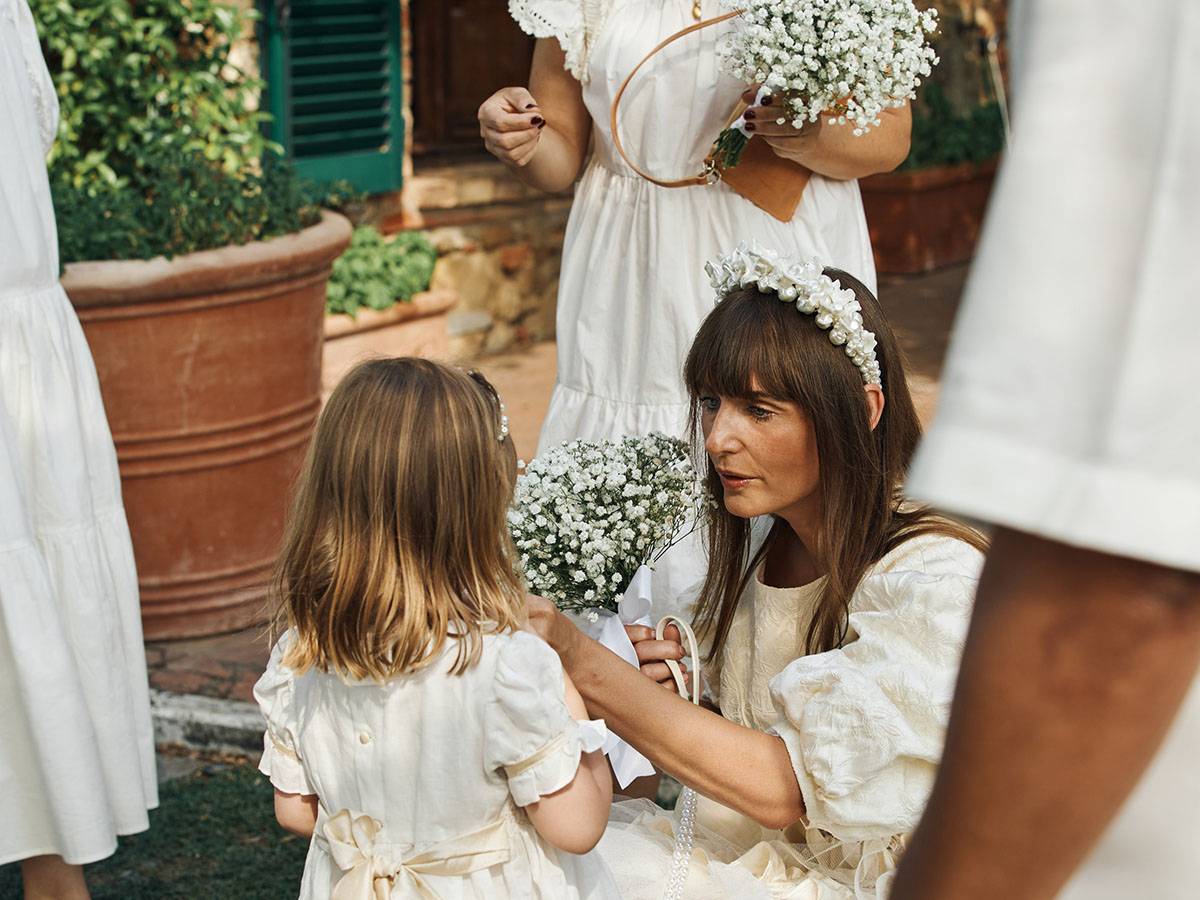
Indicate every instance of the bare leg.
{"type": "Point", "coordinates": [50, 878]}
{"type": "Point", "coordinates": [1074, 669]}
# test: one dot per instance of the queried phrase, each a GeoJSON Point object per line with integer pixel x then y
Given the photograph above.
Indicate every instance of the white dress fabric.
{"type": "Point", "coordinates": [863, 724]}
{"type": "Point", "coordinates": [632, 291]}
{"type": "Point", "coordinates": [76, 742]}
{"type": "Point", "coordinates": [1067, 407]}
{"type": "Point", "coordinates": [433, 768]}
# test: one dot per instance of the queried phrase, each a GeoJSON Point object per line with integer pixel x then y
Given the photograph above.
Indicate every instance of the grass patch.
{"type": "Point", "coordinates": [214, 835]}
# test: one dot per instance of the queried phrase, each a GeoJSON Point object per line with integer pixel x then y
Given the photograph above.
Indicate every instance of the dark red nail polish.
{"type": "Point", "coordinates": [766, 101]}
{"type": "Point", "coordinates": [749, 126]}
{"type": "Point", "coordinates": [538, 121]}
{"type": "Point", "coordinates": [749, 114]}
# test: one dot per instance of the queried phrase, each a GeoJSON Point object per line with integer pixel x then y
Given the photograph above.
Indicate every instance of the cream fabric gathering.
{"type": "Point", "coordinates": [801, 281]}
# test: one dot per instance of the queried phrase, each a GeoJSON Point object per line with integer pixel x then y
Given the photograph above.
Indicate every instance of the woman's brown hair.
{"type": "Point", "coordinates": [754, 337]}
{"type": "Point", "coordinates": [397, 537]}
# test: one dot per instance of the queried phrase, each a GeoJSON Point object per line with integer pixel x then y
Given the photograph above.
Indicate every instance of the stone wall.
{"type": "Point", "coordinates": [499, 245]}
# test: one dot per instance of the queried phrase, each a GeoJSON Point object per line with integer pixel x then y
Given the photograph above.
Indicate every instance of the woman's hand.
{"type": "Point", "coordinates": [653, 653]}
{"type": "Point", "coordinates": [785, 139]}
{"type": "Point", "coordinates": [548, 623]}
{"type": "Point", "coordinates": [511, 125]}
{"type": "Point", "coordinates": [832, 150]}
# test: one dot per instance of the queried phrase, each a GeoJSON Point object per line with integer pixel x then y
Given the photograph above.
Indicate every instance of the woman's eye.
{"type": "Point", "coordinates": [709, 404]}
{"type": "Point", "coordinates": [759, 413]}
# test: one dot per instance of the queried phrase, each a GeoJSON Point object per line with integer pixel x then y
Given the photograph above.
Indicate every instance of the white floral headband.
{"type": "Point", "coordinates": [814, 293]}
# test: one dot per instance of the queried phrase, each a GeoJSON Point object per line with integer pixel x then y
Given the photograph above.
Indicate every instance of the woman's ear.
{"type": "Point", "coordinates": [875, 404]}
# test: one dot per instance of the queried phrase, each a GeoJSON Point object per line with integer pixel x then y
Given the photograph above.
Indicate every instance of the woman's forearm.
{"type": "Point", "coordinates": [693, 744]}
{"type": "Point", "coordinates": [555, 164]}
{"type": "Point", "coordinates": [835, 152]}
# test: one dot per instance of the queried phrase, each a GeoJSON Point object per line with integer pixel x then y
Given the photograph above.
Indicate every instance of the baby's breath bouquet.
{"type": "Point", "coordinates": [589, 520]}
{"type": "Point", "coordinates": [846, 60]}
{"type": "Point", "coordinates": [589, 514]}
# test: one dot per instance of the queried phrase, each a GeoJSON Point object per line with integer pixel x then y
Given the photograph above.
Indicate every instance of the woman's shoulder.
{"type": "Point", "coordinates": [932, 554]}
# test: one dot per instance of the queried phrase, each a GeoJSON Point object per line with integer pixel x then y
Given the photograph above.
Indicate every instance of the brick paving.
{"type": "Point", "coordinates": [921, 310]}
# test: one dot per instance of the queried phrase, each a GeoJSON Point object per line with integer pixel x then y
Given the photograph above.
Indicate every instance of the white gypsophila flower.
{"type": "Point", "coordinates": [849, 61]}
{"type": "Point", "coordinates": [586, 515]}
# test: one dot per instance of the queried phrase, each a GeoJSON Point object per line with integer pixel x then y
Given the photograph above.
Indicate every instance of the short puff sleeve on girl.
{"type": "Point", "coordinates": [865, 724]}
{"type": "Point", "coordinates": [275, 693]}
{"type": "Point", "coordinates": [531, 736]}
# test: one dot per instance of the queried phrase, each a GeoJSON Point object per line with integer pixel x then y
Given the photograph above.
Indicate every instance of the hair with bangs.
{"type": "Point", "coordinates": [753, 337]}
{"type": "Point", "coordinates": [398, 534]}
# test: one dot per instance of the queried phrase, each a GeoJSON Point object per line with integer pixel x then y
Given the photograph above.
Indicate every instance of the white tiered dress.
{"type": "Point", "coordinates": [433, 767]}
{"type": "Point", "coordinates": [76, 743]}
{"type": "Point", "coordinates": [864, 726]}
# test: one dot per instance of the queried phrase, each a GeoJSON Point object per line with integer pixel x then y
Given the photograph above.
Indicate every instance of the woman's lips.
{"type": "Point", "coordinates": [733, 481]}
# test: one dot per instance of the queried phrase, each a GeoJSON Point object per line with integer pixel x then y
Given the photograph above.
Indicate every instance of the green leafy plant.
{"type": "Point", "coordinates": [376, 272]}
{"type": "Point", "coordinates": [135, 76]}
{"type": "Point", "coordinates": [955, 117]}
{"type": "Point", "coordinates": [177, 201]}
{"type": "Point", "coordinates": [943, 136]}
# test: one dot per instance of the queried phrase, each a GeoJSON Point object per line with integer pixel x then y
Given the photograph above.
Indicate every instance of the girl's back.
{"type": "Point", "coordinates": [419, 778]}
{"type": "Point", "coordinates": [428, 746]}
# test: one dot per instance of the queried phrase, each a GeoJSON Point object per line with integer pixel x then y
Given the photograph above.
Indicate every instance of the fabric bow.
{"type": "Point", "coordinates": [372, 871]}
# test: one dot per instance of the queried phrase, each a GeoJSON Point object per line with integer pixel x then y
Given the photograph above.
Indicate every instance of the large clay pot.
{"type": "Point", "coordinates": [210, 367]}
{"type": "Point", "coordinates": [417, 327]}
{"type": "Point", "coordinates": [926, 219]}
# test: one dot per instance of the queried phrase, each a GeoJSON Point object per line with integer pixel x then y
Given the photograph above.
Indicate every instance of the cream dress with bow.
{"type": "Point", "coordinates": [863, 724]}
{"type": "Point", "coordinates": [421, 779]}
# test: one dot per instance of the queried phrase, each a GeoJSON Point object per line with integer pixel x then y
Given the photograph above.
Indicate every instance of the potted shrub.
{"type": "Point", "coordinates": [198, 270]}
{"type": "Point", "coordinates": [379, 302]}
{"type": "Point", "coordinates": [928, 213]}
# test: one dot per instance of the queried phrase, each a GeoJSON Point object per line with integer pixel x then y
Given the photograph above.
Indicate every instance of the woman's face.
{"type": "Point", "coordinates": [765, 452]}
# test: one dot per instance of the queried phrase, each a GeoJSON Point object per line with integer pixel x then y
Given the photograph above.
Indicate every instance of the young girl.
{"type": "Point", "coordinates": [429, 746]}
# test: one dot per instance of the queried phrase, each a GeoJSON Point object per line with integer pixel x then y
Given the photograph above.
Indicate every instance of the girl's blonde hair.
{"type": "Point", "coordinates": [398, 536]}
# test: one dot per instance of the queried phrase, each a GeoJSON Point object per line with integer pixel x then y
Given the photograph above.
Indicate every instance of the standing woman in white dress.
{"type": "Point", "coordinates": [632, 292]}
{"type": "Point", "coordinates": [76, 743]}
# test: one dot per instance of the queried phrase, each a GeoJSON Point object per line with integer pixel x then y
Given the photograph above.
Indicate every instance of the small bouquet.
{"type": "Point", "coordinates": [588, 515]}
{"type": "Point", "coordinates": [848, 60]}
{"type": "Point", "coordinates": [589, 519]}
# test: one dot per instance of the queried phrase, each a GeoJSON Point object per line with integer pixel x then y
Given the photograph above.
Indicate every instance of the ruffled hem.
{"type": "Point", "coordinates": [283, 768]}
{"type": "Point", "coordinates": [554, 766]}
{"type": "Point", "coordinates": [77, 731]}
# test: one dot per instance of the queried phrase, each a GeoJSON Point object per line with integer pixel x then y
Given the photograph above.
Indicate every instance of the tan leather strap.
{"type": "Point", "coordinates": [688, 637]}
{"type": "Point", "coordinates": [710, 174]}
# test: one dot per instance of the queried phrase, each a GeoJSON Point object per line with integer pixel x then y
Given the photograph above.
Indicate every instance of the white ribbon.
{"type": "Point", "coordinates": [609, 630]}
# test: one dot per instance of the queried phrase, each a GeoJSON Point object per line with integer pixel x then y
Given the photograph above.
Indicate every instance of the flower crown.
{"type": "Point", "coordinates": [814, 293]}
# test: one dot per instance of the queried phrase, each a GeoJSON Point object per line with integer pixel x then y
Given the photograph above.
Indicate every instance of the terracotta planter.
{"type": "Point", "coordinates": [926, 219]}
{"type": "Point", "coordinates": [415, 328]}
{"type": "Point", "coordinates": [210, 367]}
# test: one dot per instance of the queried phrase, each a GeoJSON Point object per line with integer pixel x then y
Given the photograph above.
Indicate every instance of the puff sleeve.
{"type": "Point", "coordinates": [275, 693]}
{"type": "Point", "coordinates": [865, 724]}
{"type": "Point", "coordinates": [531, 736]}
{"type": "Point", "coordinates": [574, 23]}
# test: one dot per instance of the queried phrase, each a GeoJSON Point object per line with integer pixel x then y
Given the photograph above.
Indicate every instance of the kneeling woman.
{"type": "Point", "coordinates": [834, 611]}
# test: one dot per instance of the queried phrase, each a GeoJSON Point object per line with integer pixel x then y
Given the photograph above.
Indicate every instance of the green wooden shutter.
{"type": "Point", "coordinates": [334, 88]}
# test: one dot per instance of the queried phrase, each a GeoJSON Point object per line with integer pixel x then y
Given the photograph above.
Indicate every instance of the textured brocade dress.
{"type": "Point", "coordinates": [76, 742]}
{"type": "Point", "coordinates": [864, 727]}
